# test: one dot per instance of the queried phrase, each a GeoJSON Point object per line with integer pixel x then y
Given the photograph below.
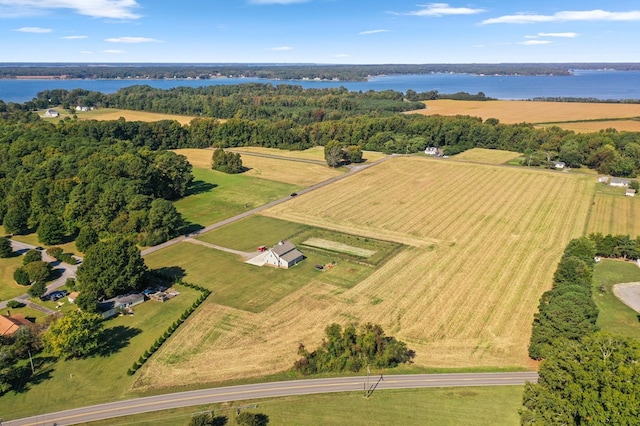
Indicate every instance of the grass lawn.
{"type": "Point", "coordinates": [100, 378]}
{"type": "Point", "coordinates": [254, 231]}
{"type": "Point", "coordinates": [615, 316]}
{"type": "Point", "coordinates": [441, 406]}
{"type": "Point", "coordinates": [216, 196]}
{"type": "Point", "coordinates": [8, 287]}
{"type": "Point", "coordinates": [239, 285]}
{"type": "Point", "coordinates": [29, 313]}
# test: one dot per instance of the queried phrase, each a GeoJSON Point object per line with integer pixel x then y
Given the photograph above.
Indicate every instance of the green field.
{"type": "Point", "coordinates": [442, 406]}
{"type": "Point", "coordinates": [100, 378]}
{"type": "Point", "coordinates": [8, 287]}
{"type": "Point", "coordinates": [615, 316]}
{"type": "Point", "coordinates": [215, 196]}
{"type": "Point", "coordinates": [254, 231]}
{"type": "Point", "coordinates": [239, 285]}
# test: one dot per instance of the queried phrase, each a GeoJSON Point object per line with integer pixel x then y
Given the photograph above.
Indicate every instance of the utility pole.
{"type": "Point", "coordinates": [33, 370]}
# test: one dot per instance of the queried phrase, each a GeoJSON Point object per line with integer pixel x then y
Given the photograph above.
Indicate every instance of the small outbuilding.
{"type": "Point", "coordinates": [73, 296]}
{"type": "Point", "coordinates": [283, 255]}
{"type": "Point", "coordinates": [630, 192]}
{"type": "Point", "coordinates": [51, 113]}
{"type": "Point", "coordinates": [558, 165]}
{"type": "Point", "coordinates": [603, 179]}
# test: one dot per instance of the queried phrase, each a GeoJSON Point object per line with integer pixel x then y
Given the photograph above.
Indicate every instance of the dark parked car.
{"type": "Point", "coordinates": [293, 194]}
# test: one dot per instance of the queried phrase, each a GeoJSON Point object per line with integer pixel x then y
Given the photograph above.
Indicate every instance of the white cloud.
{"type": "Point", "coordinates": [341, 55]}
{"type": "Point", "coordinates": [114, 9]}
{"type": "Point", "coordinates": [132, 40]}
{"type": "Point", "coordinates": [36, 30]}
{"type": "Point", "coordinates": [74, 37]}
{"type": "Point", "coordinates": [442, 9]}
{"type": "Point", "coordinates": [112, 51]}
{"type": "Point", "coordinates": [372, 32]}
{"type": "Point", "coordinates": [535, 42]}
{"type": "Point", "coordinates": [277, 1]}
{"type": "Point", "coordinates": [566, 16]}
{"type": "Point", "coordinates": [281, 48]}
{"type": "Point", "coordinates": [565, 35]}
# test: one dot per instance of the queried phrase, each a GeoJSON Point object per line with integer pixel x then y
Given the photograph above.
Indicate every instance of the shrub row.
{"type": "Point", "coordinates": [568, 309]}
{"type": "Point", "coordinates": [172, 328]}
{"type": "Point", "coordinates": [616, 246]}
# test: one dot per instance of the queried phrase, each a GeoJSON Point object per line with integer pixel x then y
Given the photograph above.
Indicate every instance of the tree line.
{"type": "Point", "coordinates": [586, 376]}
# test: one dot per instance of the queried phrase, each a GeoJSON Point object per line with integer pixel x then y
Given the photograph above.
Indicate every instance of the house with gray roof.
{"type": "Point", "coordinates": [283, 255]}
{"type": "Point", "coordinates": [619, 182]}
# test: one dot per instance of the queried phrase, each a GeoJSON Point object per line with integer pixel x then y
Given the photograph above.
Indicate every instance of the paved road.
{"type": "Point", "coordinates": [271, 390]}
{"type": "Point", "coordinates": [67, 271]}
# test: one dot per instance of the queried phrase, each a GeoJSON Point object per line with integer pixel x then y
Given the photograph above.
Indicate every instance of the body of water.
{"type": "Point", "coordinates": [583, 84]}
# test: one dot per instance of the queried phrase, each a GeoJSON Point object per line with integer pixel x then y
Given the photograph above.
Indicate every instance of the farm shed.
{"type": "Point", "coordinates": [603, 179]}
{"type": "Point", "coordinates": [73, 296]}
{"type": "Point", "coordinates": [558, 164]}
{"type": "Point", "coordinates": [9, 324]}
{"type": "Point", "coordinates": [283, 255]}
{"type": "Point", "coordinates": [619, 182]}
{"type": "Point", "coordinates": [630, 192]}
{"type": "Point", "coordinates": [51, 113]}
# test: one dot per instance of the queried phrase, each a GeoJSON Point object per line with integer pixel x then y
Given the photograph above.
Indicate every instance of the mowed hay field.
{"type": "Point", "coordinates": [316, 153]}
{"type": "Point", "coordinates": [615, 214]}
{"type": "Point", "coordinates": [484, 242]}
{"type": "Point", "coordinates": [286, 171]}
{"type": "Point", "coordinates": [510, 112]}
{"type": "Point", "coordinates": [488, 156]}
{"type": "Point", "coordinates": [114, 114]}
{"type": "Point", "coordinates": [595, 126]}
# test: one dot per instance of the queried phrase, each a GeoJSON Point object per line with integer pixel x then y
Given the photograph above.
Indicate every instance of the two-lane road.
{"type": "Point", "coordinates": [272, 390]}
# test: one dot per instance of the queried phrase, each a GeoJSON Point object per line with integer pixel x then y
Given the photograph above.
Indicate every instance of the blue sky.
{"type": "Point", "coordinates": [319, 31]}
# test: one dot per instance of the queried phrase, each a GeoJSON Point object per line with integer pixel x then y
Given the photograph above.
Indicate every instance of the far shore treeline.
{"type": "Point", "coordinates": [348, 72]}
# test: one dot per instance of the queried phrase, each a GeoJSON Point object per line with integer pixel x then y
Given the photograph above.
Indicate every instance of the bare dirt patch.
{"type": "Point", "coordinates": [629, 294]}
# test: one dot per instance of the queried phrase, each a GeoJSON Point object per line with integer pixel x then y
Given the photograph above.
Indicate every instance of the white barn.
{"type": "Point", "coordinates": [283, 255]}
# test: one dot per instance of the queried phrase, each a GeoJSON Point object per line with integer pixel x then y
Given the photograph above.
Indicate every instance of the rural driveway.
{"type": "Point", "coordinates": [248, 213]}
{"type": "Point", "coordinates": [66, 271]}
{"type": "Point", "coordinates": [273, 390]}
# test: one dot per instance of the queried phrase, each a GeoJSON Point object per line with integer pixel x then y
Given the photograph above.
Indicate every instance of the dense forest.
{"type": "Point", "coordinates": [76, 179]}
{"type": "Point", "coordinates": [288, 72]}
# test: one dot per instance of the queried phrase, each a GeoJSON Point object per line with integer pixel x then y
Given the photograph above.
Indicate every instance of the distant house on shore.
{"type": "Point", "coordinates": [51, 113]}
{"type": "Point", "coordinates": [10, 324]}
{"type": "Point", "coordinates": [283, 255]}
{"type": "Point", "coordinates": [630, 192]}
{"type": "Point", "coordinates": [619, 182]}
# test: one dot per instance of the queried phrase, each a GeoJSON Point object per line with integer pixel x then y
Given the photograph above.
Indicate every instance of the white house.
{"type": "Point", "coordinates": [431, 150]}
{"type": "Point", "coordinates": [603, 179]}
{"type": "Point", "coordinates": [619, 182]}
{"type": "Point", "coordinates": [51, 113]}
{"type": "Point", "coordinates": [630, 192]}
{"type": "Point", "coordinates": [283, 255]}
{"type": "Point", "coordinates": [558, 164]}
{"type": "Point", "coordinates": [81, 108]}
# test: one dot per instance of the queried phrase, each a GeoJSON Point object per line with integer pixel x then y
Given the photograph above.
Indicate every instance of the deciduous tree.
{"type": "Point", "coordinates": [592, 381]}
{"type": "Point", "coordinates": [74, 335]}
{"type": "Point", "coordinates": [111, 268]}
{"type": "Point", "coordinates": [5, 247]}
